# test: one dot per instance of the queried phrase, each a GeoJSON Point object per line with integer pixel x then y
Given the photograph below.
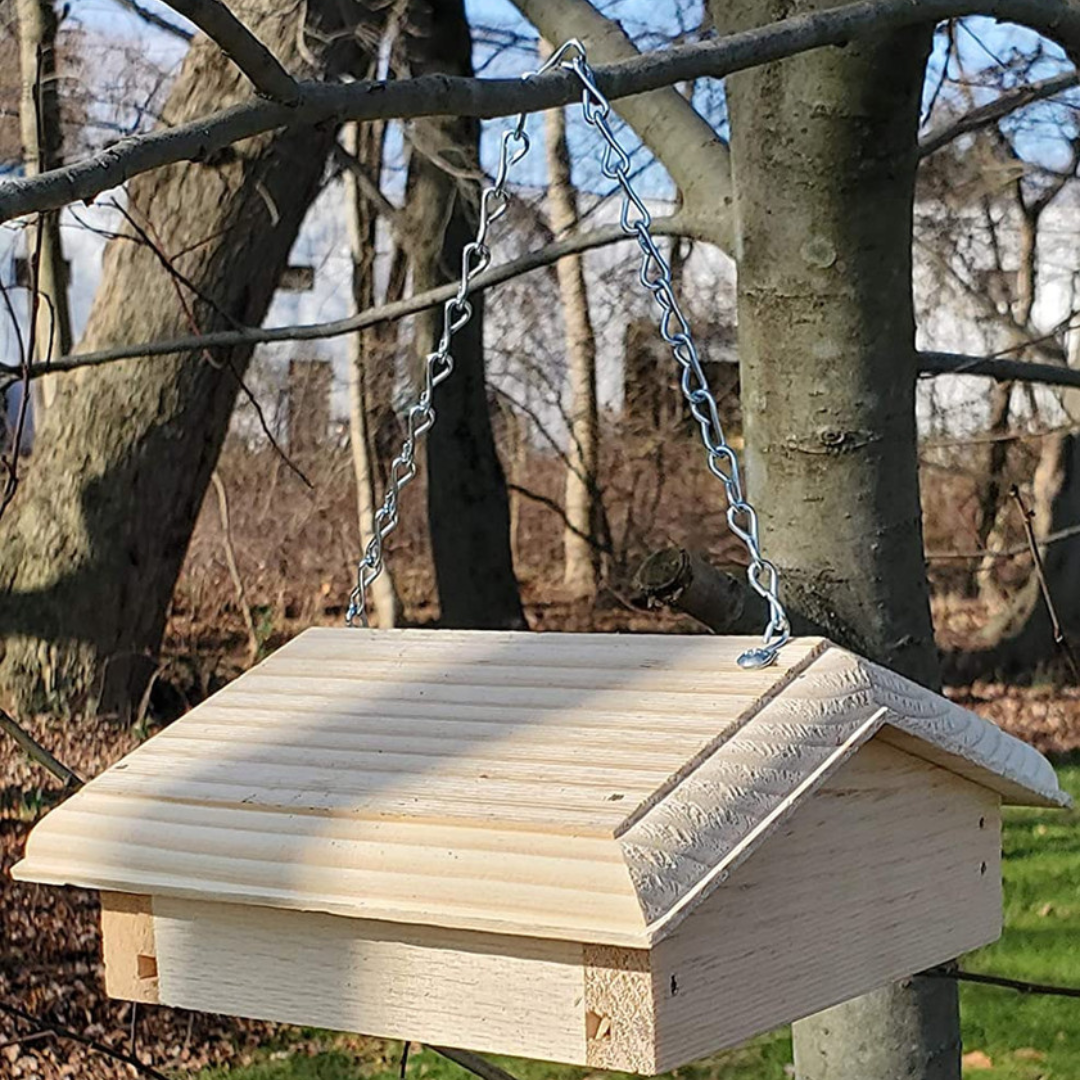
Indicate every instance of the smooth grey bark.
{"type": "Point", "coordinates": [43, 149]}
{"type": "Point", "coordinates": [824, 156]}
{"type": "Point", "coordinates": [468, 509]}
{"type": "Point", "coordinates": [667, 123]}
{"type": "Point", "coordinates": [92, 545]}
{"type": "Point", "coordinates": [907, 1031]}
{"type": "Point", "coordinates": [824, 152]}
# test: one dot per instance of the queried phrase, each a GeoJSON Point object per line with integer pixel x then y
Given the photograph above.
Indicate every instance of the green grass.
{"type": "Point", "coordinates": [1022, 1037]}
{"type": "Point", "coordinates": [1033, 1037]}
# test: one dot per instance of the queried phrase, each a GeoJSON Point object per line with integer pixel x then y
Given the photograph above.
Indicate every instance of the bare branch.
{"type": "Point", "coordinates": [697, 160]}
{"type": "Point", "coordinates": [152, 18]}
{"type": "Point", "coordinates": [234, 570]}
{"type": "Point", "coordinates": [36, 752]}
{"type": "Point", "coordinates": [41, 1024]}
{"type": "Point", "coordinates": [997, 109]}
{"type": "Point", "coordinates": [1004, 553]}
{"type": "Point", "coordinates": [241, 46]}
{"type": "Point", "coordinates": [442, 95]}
{"type": "Point", "coordinates": [474, 1063]}
{"type": "Point", "coordinates": [1056, 629]}
{"type": "Point", "coordinates": [249, 335]}
{"type": "Point", "coordinates": [999, 368]}
{"type": "Point", "coordinates": [1021, 986]}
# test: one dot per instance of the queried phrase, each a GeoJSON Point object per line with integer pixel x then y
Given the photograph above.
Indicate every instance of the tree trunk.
{"type": "Point", "coordinates": [467, 502]}
{"type": "Point", "coordinates": [42, 142]}
{"type": "Point", "coordinates": [92, 546]}
{"type": "Point", "coordinates": [581, 552]}
{"type": "Point", "coordinates": [824, 154]}
{"type": "Point", "coordinates": [366, 352]}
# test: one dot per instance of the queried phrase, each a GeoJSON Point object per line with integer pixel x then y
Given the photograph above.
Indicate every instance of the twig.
{"type": "Point", "coordinates": [47, 1026]}
{"type": "Point", "coordinates": [245, 50]}
{"type": "Point", "coordinates": [1006, 553]}
{"type": "Point", "coordinates": [999, 368]}
{"type": "Point", "coordinates": [177, 280]}
{"type": "Point", "coordinates": [558, 509]}
{"type": "Point", "coordinates": [474, 1063]}
{"type": "Point", "coordinates": [1021, 986]}
{"type": "Point", "coordinates": [36, 752]}
{"type": "Point", "coordinates": [997, 109]}
{"type": "Point", "coordinates": [1060, 639]}
{"type": "Point", "coordinates": [234, 570]}
{"type": "Point", "coordinates": [22, 1040]}
{"type": "Point", "coordinates": [384, 313]}
{"type": "Point", "coordinates": [152, 18]}
{"type": "Point", "coordinates": [443, 95]}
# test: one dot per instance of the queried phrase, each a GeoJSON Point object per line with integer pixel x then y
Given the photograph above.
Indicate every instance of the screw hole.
{"type": "Point", "coordinates": [982, 823]}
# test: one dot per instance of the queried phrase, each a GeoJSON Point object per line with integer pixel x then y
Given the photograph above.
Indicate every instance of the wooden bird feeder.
{"type": "Point", "coordinates": [617, 851]}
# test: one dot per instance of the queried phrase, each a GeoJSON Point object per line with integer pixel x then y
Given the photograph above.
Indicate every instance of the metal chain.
{"type": "Point", "coordinates": [655, 275]}
{"type": "Point", "coordinates": [475, 257]}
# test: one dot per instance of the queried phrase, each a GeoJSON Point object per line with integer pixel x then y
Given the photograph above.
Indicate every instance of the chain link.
{"type": "Point", "coordinates": [457, 311]}
{"type": "Point", "coordinates": [655, 276]}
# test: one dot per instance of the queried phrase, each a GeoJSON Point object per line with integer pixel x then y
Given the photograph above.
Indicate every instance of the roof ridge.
{"type": "Point", "coordinates": [690, 841]}
{"type": "Point", "coordinates": [962, 735]}
{"type": "Point", "coordinates": [713, 745]}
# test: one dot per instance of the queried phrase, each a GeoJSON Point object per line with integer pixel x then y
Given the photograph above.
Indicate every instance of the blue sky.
{"type": "Point", "coordinates": [980, 44]}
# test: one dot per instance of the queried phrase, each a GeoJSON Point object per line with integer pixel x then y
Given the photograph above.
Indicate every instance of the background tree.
{"type": "Point", "coordinates": [584, 508]}
{"type": "Point", "coordinates": [468, 510]}
{"type": "Point", "coordinates": [42, 144]}
{"type": "Point", "coordinates": [92, 547]}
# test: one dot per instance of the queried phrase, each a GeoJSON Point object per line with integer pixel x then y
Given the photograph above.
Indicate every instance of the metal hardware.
{"type": "Point", "coordinates": [655, 275]}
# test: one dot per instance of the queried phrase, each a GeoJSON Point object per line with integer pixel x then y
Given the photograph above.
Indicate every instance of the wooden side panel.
{"type": "Point", "coordinates": [455, 988]}
{"type": "Point", "coordinates": [891, 867]}
{"type": "Point", "coordinates": [127, 934]}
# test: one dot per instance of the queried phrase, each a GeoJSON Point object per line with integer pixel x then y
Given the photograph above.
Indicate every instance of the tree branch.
{"type": "Point", "coordinates": [246, 335]}
{"type": "Point", "coordinates": [999, 368]}
{"type": "Point", "coordinates": [696, 158]}
{"type": "Point", "coordinates": [152, 18]}
{"type": "Point", "coordinates": [41, 1024]}
{"type": "Point", "coordinates": [474, 1063]}
{"type": "Point", "coordinates": [242, 47]}
{"type": "Point", "coordinates": [36, 752]}
{"type": "Point", "coordinates": [997, 109]}
{"type": "Point", "coordinates": [442, 95]}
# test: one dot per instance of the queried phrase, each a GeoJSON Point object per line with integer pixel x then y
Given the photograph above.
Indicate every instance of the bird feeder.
{"type": "Point", "coordinates": [624, 852]}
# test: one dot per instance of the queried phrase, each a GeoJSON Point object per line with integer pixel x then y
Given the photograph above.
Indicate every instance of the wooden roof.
{"type": "Point", "coordinates": [590, 787]}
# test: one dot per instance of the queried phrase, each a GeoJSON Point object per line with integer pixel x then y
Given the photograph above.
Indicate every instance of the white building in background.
{"type": "Point", "coordinates": [524, 340]}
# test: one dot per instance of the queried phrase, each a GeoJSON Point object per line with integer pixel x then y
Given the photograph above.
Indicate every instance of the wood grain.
{"type": "Point", "coordinates": [482, 992]}
{"type": "Point", "coordinates": [890, 867]}
{"type": "Point", "coordinates": [127, 934]}
{"type": "Point", "coordinates": [591, 788]}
